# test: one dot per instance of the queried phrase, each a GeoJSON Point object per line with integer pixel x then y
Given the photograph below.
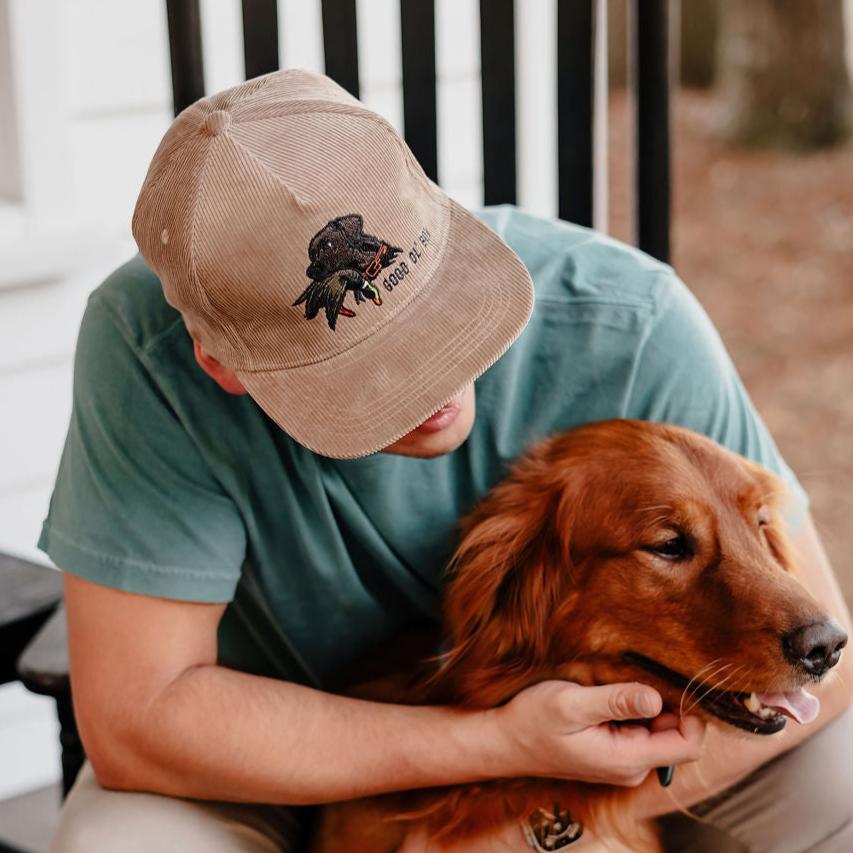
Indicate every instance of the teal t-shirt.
{"type": "Point", "coordinates": [170, 487]}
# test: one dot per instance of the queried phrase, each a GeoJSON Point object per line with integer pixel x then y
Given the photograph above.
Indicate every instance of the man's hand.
{"type": "Point", "coordinates": [560, 729]}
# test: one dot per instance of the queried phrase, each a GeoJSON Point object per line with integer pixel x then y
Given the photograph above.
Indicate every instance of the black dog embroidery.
{"type": "Point", "coordinates": [343, 258]}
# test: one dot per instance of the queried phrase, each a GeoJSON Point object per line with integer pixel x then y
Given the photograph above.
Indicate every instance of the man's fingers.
{"type": "Point", "coordinates": [665, 721]}
{"type": "Point", "coordinates": [594, 705]}
{"type": "Point", "coordinates": [664, 747]}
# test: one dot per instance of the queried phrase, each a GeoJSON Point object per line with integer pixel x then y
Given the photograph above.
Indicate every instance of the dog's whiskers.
{"type": "Point", "coordinates": [707, 684]}
{"type": "Point", "coordinates": [692, 680]}
{"type": "Point", "coordinates": [718, 687]}
{"type": "Point", "coordinates": [704, 683]}
{"type": "Point", "coordinates": [643, 511]}
{"type": "Point", "coordinates": [655, 506]}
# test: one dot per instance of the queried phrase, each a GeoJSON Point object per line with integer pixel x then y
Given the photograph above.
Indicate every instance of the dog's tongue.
{"type": "Point", "coordinates": [800, 705]}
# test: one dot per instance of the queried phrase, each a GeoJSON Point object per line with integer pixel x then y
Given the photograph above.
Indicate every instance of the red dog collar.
{"type": "Point", "coordinates": [373, 268]}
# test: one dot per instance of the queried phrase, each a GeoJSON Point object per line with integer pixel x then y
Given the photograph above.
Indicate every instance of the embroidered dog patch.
{"type": "Point", "coordinates": [344, 259]}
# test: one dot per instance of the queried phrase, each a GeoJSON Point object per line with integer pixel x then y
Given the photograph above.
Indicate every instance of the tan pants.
{"type": "Point", "coordinates": [801, 801]}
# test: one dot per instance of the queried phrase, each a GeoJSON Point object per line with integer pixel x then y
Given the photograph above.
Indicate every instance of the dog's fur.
{"type": "Point", "coordinates": [556, 577]}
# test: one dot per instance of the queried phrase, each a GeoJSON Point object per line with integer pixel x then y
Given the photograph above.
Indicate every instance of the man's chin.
{"type": "Point", "coordinates": [423, 449]}
{"type": "Point", "coordinates": [426, 444]}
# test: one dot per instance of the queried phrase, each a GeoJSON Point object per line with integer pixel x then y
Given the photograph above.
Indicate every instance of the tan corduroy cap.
{"type": "Point", "coordinates": [307, 251]}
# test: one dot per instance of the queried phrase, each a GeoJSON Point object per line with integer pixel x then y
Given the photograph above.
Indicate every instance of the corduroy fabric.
{"type": "Point", "coordinates": [238, 188]}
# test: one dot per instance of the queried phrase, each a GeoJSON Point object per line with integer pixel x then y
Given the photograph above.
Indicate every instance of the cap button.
{"type": "Point", "coordinates": [217, 122]}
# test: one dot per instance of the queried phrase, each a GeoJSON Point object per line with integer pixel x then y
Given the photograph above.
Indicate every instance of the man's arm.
{"type": "Point", "coordinates": [731, 756]}
{"type": "Point", "coordinates": [157, 713]}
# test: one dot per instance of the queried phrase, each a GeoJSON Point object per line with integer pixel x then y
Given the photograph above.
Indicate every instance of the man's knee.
{"type": "Point", "coordinates": [94, 820]}
{"type": "Point", "coordinates": [87, 821]}
{"type": "Point", "coordinates": [800, 801]}
{"type": "Point", "coordinates": [813, 787]}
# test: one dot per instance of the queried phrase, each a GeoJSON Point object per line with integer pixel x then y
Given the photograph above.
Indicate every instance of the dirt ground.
{"type": "Point", "coordinates": [765, 240]}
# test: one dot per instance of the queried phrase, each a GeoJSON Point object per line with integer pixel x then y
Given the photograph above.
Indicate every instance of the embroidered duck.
{"type": "Point", "coordinates": [343, 258]}
{"type": "Point", "coordinates": [330, 293]}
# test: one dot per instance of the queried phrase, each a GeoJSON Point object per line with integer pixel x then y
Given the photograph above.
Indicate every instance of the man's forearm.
{"type": "Point", "coordinates": [214, 733]}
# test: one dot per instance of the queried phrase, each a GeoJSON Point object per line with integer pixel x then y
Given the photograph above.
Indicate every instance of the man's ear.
{"type": "Point", "coordinates": [225, 378]}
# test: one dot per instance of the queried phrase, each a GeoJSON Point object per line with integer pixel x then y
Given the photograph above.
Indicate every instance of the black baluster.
{"type": "Point", "coordinates": [574, 110]}
{"type": "Point", "coordinates": [497, 68]}
{"type": "Point", "coordinates": [417, 25]}
{"type": "Point", "coordinates": [340, 43]}
{"type": "Point", "coordinates": [651, 78]}
{"type": "Point", "coordinates": [260, 37]}
{"type": "Point", "coordinates": [184, 21]}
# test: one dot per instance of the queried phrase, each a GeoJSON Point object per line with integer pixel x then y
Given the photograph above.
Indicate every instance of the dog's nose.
{"type": "Point", "coordinates": [815, 647]}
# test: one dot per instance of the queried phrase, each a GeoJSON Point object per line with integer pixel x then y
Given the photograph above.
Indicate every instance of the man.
{"type": "Point", "coordinates": [233, 541]}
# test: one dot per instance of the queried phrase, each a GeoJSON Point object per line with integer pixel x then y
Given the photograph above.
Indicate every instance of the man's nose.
{"type": "Point", "coordinates": [815, 647]}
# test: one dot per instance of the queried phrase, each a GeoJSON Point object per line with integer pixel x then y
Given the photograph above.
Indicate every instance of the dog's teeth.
{"type": "Point", "coordinates": [752, 703]}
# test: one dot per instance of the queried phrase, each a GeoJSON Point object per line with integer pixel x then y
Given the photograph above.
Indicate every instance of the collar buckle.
{"type": "Point", "coordinates": [546, 831]}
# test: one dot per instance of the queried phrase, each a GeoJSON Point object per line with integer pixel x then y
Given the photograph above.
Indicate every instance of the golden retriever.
{"type": "Point", "coordinates": [618, 551]}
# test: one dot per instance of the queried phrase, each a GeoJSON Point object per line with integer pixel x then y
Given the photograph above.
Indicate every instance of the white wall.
{"type": "Point", "coordinates": [84, 99]}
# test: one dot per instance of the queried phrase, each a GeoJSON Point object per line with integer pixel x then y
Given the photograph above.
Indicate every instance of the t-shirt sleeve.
{"type": "Point", "coordinates": [685, 376]}
{"type": "Point", "coordinates": [135, 506]}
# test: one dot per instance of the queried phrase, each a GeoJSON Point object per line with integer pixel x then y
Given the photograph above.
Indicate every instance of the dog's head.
{"type": "Point", "coordinates": [343, 244]}
{"type": "Point", "coordinates": [626, 551]}
{"type": "Point", "coordinates": [338, 245]}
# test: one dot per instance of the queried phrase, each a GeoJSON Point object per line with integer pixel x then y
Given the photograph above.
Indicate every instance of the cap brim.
{"type": "Point", "coordinates": [477, 303]}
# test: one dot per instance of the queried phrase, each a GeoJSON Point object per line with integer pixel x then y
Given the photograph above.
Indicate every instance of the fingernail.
{"type": "Point", "coordinates": [665, 775]}
{"type": "Point", "coordinates": [648, 704]}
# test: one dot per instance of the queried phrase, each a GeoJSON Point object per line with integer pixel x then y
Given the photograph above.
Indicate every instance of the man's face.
{"type": "Point", "coordinates": [441, 433]}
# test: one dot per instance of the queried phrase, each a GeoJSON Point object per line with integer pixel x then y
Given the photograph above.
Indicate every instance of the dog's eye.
{"type": "Point", "coordinates": [763, 516]}
{"type": "Point", "coordinates": [675, 549]}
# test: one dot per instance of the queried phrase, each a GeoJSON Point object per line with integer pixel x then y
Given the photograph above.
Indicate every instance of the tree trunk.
{"type": "Point", "coordinates": [698, 42]}
{"type": "Point", "coordinates": [782, 72]}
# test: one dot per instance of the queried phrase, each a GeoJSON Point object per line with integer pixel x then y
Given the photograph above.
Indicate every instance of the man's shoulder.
{"type": "Point", "coordinates": [577, 265]}
{"type": "Point", "coordinates": [133, 298]}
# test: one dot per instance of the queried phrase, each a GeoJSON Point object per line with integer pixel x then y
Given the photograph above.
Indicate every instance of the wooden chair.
{"type": "Point", "coordinates": [43, 667]}
{"type": "Point", "coordinates": [30, 596]}
{"type": "Point", "coordinates": [33, 646]}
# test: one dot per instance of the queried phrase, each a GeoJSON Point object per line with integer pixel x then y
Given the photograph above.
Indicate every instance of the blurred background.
{"type": "Point", "coordinates": [762, 215]}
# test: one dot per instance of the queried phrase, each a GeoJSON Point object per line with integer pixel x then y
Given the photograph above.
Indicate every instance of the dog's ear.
{"type": "Point", "coordinates": [776, 536]}
{"type": "Point", "coordinates": [511, 570]}
{"type": "Point", "coordinates": [774, 494]}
